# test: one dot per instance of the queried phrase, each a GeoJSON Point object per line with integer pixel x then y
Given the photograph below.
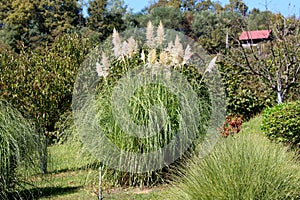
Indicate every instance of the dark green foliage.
{"type": "Point", "coordinates": [282, 123]}
{"type": "Point", "coordinates": [171, 17]}
{"type": "Point", "coordinates": [29, 23]}
{"type": "Point", "coordinates": [104, 16]}
{"type": "Point", "coordinates": [244, 92]}
{"type": "Point", "coordinates": [259, 20]}
{"type": "Point", "coordinates": [40, 83]}
{"type": "Point", "coordinates": [211, 29]}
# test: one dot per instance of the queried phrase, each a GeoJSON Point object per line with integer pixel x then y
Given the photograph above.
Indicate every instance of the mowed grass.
{"type": "Point", "coordinates": [73, 174]}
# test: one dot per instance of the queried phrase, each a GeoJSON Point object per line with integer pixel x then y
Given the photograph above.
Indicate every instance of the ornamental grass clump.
{"type": "Point", "coordinates": [248, 166]}
{"type": "Point", "coordinates": [18, 148]}
{"type": "Point", "coordinates": [147, 86]}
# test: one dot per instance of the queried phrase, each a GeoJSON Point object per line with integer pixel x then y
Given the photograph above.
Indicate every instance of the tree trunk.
{"type": "Point", "coordinates": [279, 97]}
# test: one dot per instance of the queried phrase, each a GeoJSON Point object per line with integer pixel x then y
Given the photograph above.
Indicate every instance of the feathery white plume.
{"type": "Point", "coordinates": [160, 36]}
{"type": "Point", "coordinates": [176, 51]}
{"type": "Point", "coordinates": [102, 70]}
{"type": "Point", "coordinates": [170, 47]}
{"type": "Point", "coordinates": [117, 43]}
{"type": "Point", "coordinates": [178, 47]}
{"type": "Point", "coordinates": [143, 57]}
{"type": "Point", "coordinates": [150, 35]}
{"type": "Point", "coordinates": [187, 54]}
{"type": "Point", "coordinates": [132, 47]}
{"type": "Point", "coordinates": [164, 58]}
{"type": "Point", "coordinates": [152, 56]}
{"type": "Point", "coordinates": [211, 65]}
{"type": "Point", "coordinates": [124, 49]}
{"type": "Point", "coordinates": [105, 62]}
{"type": "Point", "coordinates": [99, 69]}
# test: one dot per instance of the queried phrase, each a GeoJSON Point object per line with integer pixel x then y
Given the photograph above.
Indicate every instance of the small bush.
{"type": "Point", "coordinates": [18, 147]}
{"type": "Point", "coordinates": [246, 167]}
{"type": "Point", "coordinates": [282, 123]}
{"type": "Point", "coordinates": [246, 94]}
{"type": "Point", "coordinates": [232, 125]}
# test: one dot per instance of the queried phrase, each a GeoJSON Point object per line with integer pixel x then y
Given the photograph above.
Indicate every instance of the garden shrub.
{"type": "Point", "coordinates": [282, 123]}
{"type": "Point", "coordinates": [39, 83]}
{"type": "Point", "coordinates": [245, 93]}
{"type": "Point", "coordinates": [18, 147]}
{"type": "Point", "coordinates": [248, 166]}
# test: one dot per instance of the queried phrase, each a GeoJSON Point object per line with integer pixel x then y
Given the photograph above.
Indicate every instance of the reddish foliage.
{"type": "Point", "coordinates": [232, 125]}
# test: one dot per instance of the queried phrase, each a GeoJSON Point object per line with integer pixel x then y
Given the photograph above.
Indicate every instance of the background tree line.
{"type": "Point", "coordinates": [38, 22]}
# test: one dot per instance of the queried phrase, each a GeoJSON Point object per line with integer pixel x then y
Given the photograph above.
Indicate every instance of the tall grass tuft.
{"type": "Point", "coordinates": [18, 145]}
{"type": "Point", "coordinates": [246, 167]}
{"type": "Point", "coordinates": [140, 108]}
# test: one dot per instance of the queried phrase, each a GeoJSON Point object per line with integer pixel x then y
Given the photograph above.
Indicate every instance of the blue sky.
{"type": "Point", "coordinates": [286, 7]}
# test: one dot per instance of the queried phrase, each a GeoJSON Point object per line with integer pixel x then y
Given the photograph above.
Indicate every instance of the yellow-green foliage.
{"type": "Point", "coordinates": [282, 123]}
{"type": "Point", "coordinates": [40, 83]}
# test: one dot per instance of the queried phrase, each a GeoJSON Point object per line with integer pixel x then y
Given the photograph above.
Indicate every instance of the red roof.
{"type": "Point", "coordinates": [252, 35]}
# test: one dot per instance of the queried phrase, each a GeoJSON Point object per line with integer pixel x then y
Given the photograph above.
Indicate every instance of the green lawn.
{"type": "Point", "coordinates": [73, 174]}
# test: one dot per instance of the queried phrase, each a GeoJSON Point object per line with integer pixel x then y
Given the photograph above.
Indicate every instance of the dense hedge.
{"type": "Point", "coordinates": [282, 123]}
{"type": "Point", "coordinates": [39, 83]}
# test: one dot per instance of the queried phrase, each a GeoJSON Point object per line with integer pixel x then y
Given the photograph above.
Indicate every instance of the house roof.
{"type": "Point", "coordinates": [252, 35]}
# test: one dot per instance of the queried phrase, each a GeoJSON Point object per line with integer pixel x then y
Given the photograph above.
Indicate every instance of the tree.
{"type": "Point", "coordinates": [165, 3]}
{"type": "Point", "coordinates": [171, 17]}
{"type": "Point", "coordinates": [211, 29]}
{"type": "Point", "coordinates": [258, 20]}
{"type": "Point", "coordinates": [18, 21]}
{"type": "Point", "coordinates": [5, 7]}
{"type": "Point", "coordinates": [104, 16]}
{"type": "Point", "coordinates": [29, 22]}
{"type": "Point", "coordinates": [276, 63]}
{"type": "Point", "coordinates": [59, 16]}
{"type": "Point", "coordinates": [237, 6]}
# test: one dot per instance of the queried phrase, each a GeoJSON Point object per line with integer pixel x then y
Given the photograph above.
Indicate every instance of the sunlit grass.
{"type": "Point", "coordinates": [248, 166]}
{"type": "Point", "coordinates": [18, 148]}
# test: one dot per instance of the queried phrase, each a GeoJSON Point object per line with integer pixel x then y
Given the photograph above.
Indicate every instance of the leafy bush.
{"type": "Point", "coordinates": [40, 83]}
{"type": "Point", "coordinates": [282, 123]}
{"type": "Point", "coordinates": [18, 146]}
{"type": "Point", "coordinates": [246, 167]}
{"type": "Point", "coordinates": [246, 95]}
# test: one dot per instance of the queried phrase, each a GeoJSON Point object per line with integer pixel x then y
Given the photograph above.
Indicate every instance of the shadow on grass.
{"type": "Point", "coordinates": [93, 166]}
{"type": "Point", "coordinates": [37, 193]}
